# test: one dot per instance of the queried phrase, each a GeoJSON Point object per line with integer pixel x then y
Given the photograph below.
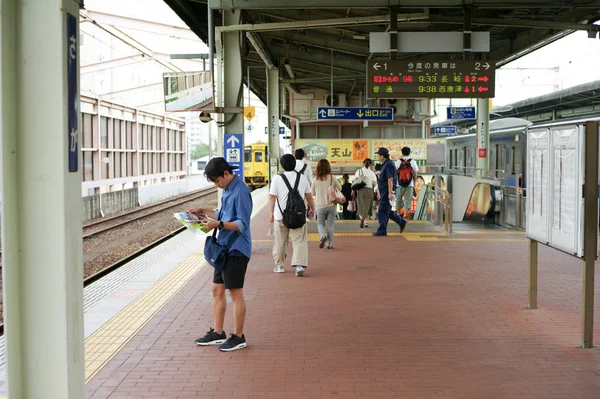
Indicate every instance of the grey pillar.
{"type": "Point", "coordinates": [273, 112]}
{"type": "Point", "coordinates": [231, 79]}
{"type": "Point", "coordinates": [42, 210]}
{"type": "Point", "coordinates": [483, 136]}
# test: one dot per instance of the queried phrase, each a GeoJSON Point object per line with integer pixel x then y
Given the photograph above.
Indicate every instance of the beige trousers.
{"type": "Point", "coordinates": [299, 239]}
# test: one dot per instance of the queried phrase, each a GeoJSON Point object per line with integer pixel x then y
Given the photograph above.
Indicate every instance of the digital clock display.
{"type": "Point", "coordinates": [439, 79]}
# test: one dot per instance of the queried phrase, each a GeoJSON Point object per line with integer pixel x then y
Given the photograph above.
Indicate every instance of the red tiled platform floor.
{"type": "Point", "coordinates": [376, 317]}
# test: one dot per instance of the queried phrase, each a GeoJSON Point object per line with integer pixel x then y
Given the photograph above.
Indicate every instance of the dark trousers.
{"type": "Point", "coordinates": [385, 213]}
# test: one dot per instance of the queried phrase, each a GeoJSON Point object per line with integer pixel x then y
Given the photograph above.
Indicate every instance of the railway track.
{"type": "Point", "coordinates": [115, 222]}
{"type": "Point", "coordinates": [111, 223]}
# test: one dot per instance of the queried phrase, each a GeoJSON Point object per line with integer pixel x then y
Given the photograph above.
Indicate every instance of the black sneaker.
{"type": "Point", "coordinates": [403, 225]}
{"type": "Point", "coordinates": [212, 338]}
{"type": "Point", "coordinates": [233, 343]}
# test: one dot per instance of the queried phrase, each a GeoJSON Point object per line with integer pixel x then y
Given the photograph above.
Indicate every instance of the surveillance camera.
{"type": "Point", "coordinates": [204, 117]}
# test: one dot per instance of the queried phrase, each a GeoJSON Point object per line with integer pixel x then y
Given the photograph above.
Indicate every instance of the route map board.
{"type": "Point", "coordinates": [430, 79]}
{"type": "Point", "coordinates": [554, 187]}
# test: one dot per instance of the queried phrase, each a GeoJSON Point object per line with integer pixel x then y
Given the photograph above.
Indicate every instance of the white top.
{"type": "Point", "coordinates": [320, 191]}
{"type": "Point", "coordinates": [307, 172]}
{"type": "Point", "coordinates": [279, 189]}
{"type": "Point", "coordinates": [368, 176]}
{"type": "Point", "coordinates": [414, 166]}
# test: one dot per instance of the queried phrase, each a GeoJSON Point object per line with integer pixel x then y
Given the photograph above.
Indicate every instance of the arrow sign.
{"type": "Point", "coordinates": [233, 152]}
{"type": "Point", "coordinates": [355, 114]}
{"type": "Point", "coordinates": [376, 66]}
{"type": "Point", "coordinates": [232, 140]}
{"type": "Point", "coordinates": [482, 89]}
{"type": "Point", "coordinates": [484, 79]}
{"type": "Point", "coordinates": [486, 66]}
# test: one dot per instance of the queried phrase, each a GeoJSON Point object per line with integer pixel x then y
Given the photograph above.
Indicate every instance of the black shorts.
{"type": "Point", "coordinates": [234, 273]}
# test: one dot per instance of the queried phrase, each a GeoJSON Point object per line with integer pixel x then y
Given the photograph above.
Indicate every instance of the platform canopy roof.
{"type": "Point", "coordinates": [304, 38]}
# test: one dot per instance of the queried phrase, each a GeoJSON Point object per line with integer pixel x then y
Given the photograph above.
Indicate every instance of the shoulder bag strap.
{"type": "Point", "coordinates": [287, 183]}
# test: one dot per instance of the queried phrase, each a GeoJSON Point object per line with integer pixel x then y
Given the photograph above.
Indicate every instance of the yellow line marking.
{"type": "Point", "coordinates": [423, 236]}
{"type": "Point", "coordinates": [107, 341]}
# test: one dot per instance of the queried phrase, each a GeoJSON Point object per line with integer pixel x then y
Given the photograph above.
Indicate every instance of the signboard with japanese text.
{"type": "Point", "coordinates": [555, 170]}
{"type": "Point", "coordinates": [460, 112]}
{"type": "Point", "coordinates": [72, 93]}
{"type": "Point", "coordinates": [444, 130]}
{"type": "Point", "coordinates": [430, 79]}
{"type": "Point", "coordinates": [355, 114]}
{"type": "Point", "coordinates": [352, 152]}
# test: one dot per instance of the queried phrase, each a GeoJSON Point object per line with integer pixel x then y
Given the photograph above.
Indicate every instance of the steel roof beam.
{"type": "Point", "coordinates": [517, 23]}
{"type": "Point", "coordinates": [323, 42]}
{"type": "Point", "coordinates": [320, 23]}
{"type": "Point", "coordinates": [278, 4]}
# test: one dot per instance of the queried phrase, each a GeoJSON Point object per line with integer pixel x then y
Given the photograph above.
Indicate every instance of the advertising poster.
{"type": "Point", "coordinates": [351, 152]}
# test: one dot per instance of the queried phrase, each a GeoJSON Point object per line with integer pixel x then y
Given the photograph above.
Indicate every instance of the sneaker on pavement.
{"type": "Point", "coordinates": [380, 234]}
{"type": "Point", "coordinates": [279, 269]}
{"type": "Point", "coordinates": [212, 338]}
{"type": "Point", "coordinates": [362, 223]}
{"type": "Point", "coordinates": [322, 243]}
{"type": "Point", "coordinates": [233, 343]}
{"type": "Point", "coordinates": [299, 271]}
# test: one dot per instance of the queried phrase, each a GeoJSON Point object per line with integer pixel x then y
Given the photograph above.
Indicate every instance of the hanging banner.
{"type": "Point", "coordinates": [352, 152]}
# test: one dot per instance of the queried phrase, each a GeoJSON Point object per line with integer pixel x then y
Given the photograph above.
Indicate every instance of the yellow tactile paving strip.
{"type": "Point", "coordinates": [106, 342]}
{"type": "Point", "coordinates": [434, 236]}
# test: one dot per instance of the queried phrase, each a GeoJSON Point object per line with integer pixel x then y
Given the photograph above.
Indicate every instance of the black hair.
{"type": "Point", "coordinates": [300, 153]}
{"type": "Point", "coordinates": [367, 162]}
{"type": "Point", "coordinates": [405, 151]}
{"type": "Point", "coordinates": [216, 168]}
{"type": "Point", "coordinates": [377, 166]}
{"type": "Point", "coordinates": [345, 177]}
{"type": "Point", "coordinates": [288, 162]}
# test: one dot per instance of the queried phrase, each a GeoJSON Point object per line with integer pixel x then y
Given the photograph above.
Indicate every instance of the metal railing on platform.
{"type": "Point", "coordinates": [435, 205]}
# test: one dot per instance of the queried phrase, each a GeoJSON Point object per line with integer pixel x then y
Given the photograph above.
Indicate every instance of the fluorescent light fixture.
{"type": "Point", "coordinates": [289, 70]}
{"type": "Point", "coordinates": [260, 49]}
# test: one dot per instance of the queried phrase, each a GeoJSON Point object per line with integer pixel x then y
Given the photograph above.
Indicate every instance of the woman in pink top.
{"type": "Point", "coordinates": [326, 211]}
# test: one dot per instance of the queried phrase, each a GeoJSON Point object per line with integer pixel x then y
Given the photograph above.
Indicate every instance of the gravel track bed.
{"type": "Point", "coordinates": [127, 216]}
{"type": "Point", "coordinates": [107, 248]}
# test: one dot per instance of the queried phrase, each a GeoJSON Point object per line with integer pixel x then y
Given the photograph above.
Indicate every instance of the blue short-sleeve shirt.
{"type": "Point", "coordinates": [236, 206]}
{"type": "Point", "coordinates": [387, 170]}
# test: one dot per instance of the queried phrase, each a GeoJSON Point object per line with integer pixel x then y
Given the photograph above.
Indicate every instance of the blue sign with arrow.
{"type": "Point", "coordinates": [234, 154]}
{"type": "Point", "coordinates": [444, 130]}
{"type": "Point", "coordinates": [355, 114]}
{"type": "Point", "coordinates": [460, 112]}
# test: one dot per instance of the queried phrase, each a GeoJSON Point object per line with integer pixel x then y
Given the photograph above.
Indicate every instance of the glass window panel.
{"type": "Point", "coordinates": [308, 132]}
{"type": "Point", "coordinates": [104, 132]}
{"type": "Point", "coordinates": [351, 132]}
{"type": "Point", "coordinates": [87, 131]}
{"type": "Point", "coordinates": [371, 132]}
{"type": "Point", "coordinates": [329, 132]}
{"type": "Point", "coordinates": [258, 156]}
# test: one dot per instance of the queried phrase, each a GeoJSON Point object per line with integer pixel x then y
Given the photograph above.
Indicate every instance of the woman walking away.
{"type": "Point", "coordinates": [347, 191]}
{"type": "Point", "coordinates": [325, 210]}
{"type": "Point", "coordinates": [364, 195]}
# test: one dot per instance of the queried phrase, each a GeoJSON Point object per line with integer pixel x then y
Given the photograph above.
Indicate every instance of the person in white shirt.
{"type": "Point", "coordinates": [405, 188]}
{"type": "Point", "coordinates": [364, 196]}
{"type": "Point", "coordinates": [278, 196]}
{"type": "Point", "coordinates": [301, 160]}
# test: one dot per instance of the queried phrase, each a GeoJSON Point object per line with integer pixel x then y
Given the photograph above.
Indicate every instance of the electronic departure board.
{"type": "Point", "coordinates": [430, 79]}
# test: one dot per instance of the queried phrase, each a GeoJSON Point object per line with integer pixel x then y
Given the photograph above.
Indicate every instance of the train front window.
{"type": "Point", "coordinates": [258, 156]}
{"type": "Point", "coordinates": [247, 154]}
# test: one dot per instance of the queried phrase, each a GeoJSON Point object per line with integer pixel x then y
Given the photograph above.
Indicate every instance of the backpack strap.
{"type": "Point", "coordinates": [303, 168]}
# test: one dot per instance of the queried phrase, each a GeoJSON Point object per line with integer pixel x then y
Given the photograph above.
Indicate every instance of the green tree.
{"type": "Point", "coordinates": [201, 150]}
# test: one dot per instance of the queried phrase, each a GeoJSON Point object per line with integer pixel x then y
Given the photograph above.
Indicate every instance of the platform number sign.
{"type": "Point", "coordinates": [72, 90]}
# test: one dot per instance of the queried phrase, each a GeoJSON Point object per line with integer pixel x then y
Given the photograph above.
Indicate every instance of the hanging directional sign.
{"type": "Point", "coordinates": [430, 79]}
{"type": "Point", "coordinates": [460, 112]}
{"type": "Point", "coordinates": [233, 152]}
{"type": "Point", "coordinates": [355, 114]}
{"type": "Point", "coordinates": [249, 113]}
{"type": "Point", "coordinates": [444, 130]}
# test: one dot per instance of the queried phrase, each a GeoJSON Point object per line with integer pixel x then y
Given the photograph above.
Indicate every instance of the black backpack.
{"type": "Point", "coordinates": [294, 215]}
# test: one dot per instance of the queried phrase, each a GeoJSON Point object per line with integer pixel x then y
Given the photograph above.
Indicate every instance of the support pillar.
{"type": "Point", "coordinates": [533, 274]}
{"type": "Point", "coordinates": [273, 112]}
{"type": "Point", "coordinates": [42, 208]}
{"type": "Point", "coordinates": [231, 79]}
{"type": "Point", "coordinates": [483, 136]}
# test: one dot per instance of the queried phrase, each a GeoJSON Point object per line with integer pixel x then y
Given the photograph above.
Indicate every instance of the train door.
{"type": "Point", "coordinates": [500, 159]}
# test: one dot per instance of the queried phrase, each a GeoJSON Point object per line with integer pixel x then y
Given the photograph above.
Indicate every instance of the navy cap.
{"type": "Point", "coordinates": [382, 151]}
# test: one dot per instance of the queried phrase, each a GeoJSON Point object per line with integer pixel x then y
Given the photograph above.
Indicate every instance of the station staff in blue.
{"type": "Point", "coordinates": [234, 231]}
{"type": "Point", "coordinates": [386, 186]}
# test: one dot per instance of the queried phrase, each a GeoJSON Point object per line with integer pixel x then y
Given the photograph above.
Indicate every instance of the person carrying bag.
{"type": "Point", "coordinates": [334, 194]}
